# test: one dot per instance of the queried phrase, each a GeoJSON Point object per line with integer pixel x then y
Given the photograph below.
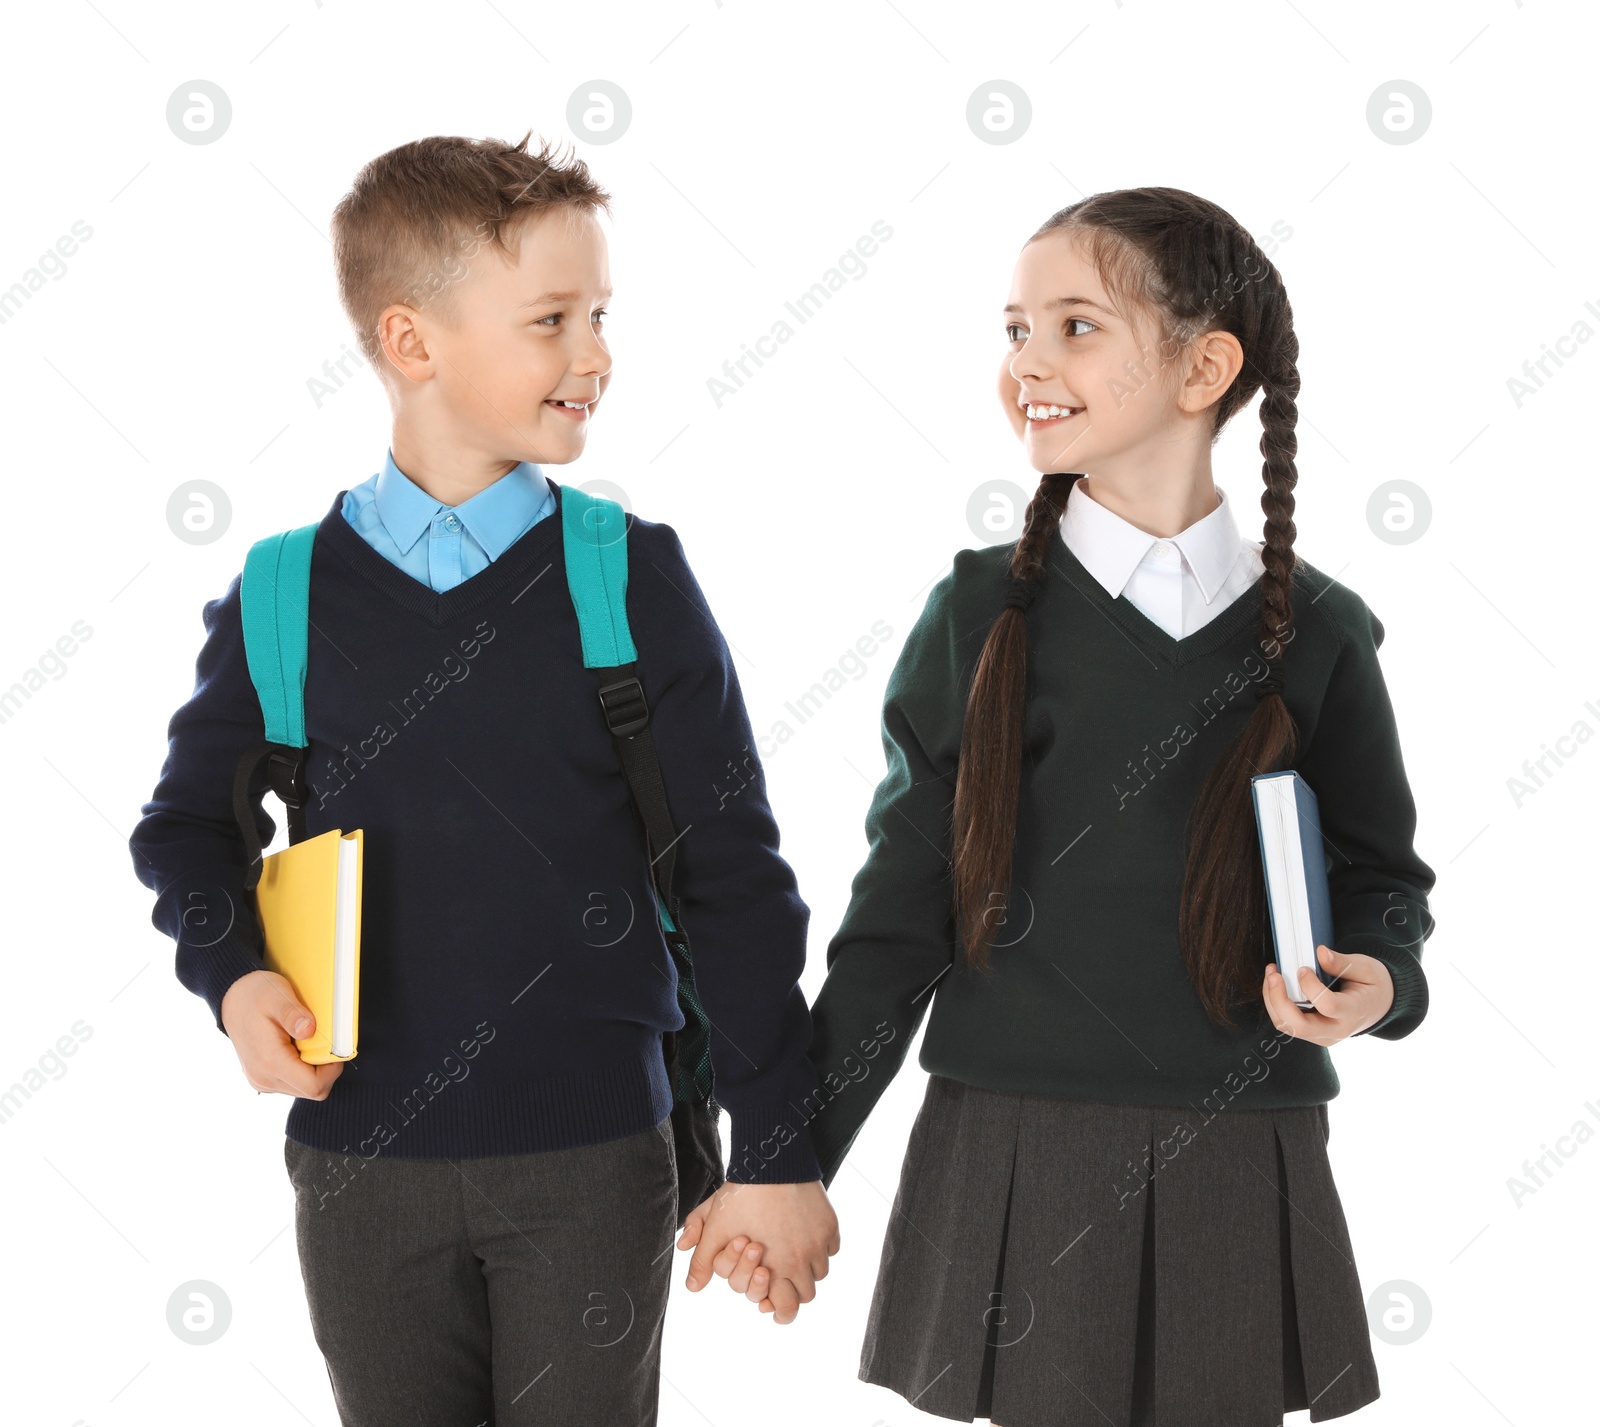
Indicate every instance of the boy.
{"type": "Point", "coordinates": [486, 1193]}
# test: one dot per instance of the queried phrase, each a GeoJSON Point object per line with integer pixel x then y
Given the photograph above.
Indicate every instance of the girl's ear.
{"type": "Point", "coordinates": [1215, 361]}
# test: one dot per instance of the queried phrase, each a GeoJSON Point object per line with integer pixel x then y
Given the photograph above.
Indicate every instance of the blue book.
{"type": "Point", "coordinates": [1299, 907]}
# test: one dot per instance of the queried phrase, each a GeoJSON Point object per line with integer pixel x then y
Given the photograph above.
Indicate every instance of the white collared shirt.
{"type": "Point", "coordinates": [1179, 583]}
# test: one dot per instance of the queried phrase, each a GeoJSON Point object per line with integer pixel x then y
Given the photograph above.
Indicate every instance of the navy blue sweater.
{"type": "Point", "coordinates": [514, 980]}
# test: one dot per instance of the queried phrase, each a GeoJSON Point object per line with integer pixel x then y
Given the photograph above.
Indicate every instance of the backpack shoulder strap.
{"type": "Point", "coordinates": [595, 548]}
{"type": "Point", "coordinates": [274, 608]}
{"type": "Point", "coordinates": [274, 603]}
{"type": "Point", "coordinates": [594, 534]}
{"type": "Point", "coordinates": [595, 540]}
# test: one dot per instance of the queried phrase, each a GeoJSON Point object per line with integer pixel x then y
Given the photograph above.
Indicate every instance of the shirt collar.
{"type": "Point", "coordinates": [1111, 548]}
{"type": "Point", "coordinates": [494, 517]}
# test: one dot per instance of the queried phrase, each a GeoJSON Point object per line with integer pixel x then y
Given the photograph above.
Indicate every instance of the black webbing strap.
{"type": "Point", "coordinates": [286, 774]}
{"type": "Point", "coordinates": [628, 718]}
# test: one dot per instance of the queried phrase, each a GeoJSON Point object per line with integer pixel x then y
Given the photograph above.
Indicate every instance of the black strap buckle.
{"type": "Point", "coordinates": [625, 707]}
{"type": "Point", "coordinates": [286, 771]}
{"type": "Point", "coordinates": [286, 776]}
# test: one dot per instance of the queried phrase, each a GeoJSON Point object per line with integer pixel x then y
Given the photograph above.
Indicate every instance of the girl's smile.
{"type": "Point", "coordinates": [1043, 414]}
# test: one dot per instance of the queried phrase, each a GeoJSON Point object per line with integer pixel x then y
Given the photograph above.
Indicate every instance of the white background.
{"type": "Point", "coordinates": [827, 494]}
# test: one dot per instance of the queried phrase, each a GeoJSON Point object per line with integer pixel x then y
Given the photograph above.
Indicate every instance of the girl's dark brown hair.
{"type": "Point", "coordinates": [1190, 265]}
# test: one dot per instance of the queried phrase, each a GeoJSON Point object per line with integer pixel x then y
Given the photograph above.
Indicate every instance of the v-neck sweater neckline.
{"type": "Point", "coordinates": [1137, 625]}
{"type": "Point", "coordinates": [518, 561]}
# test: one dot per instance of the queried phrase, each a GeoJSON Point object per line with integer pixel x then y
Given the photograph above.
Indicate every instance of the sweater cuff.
{"type": "Point", "coordinates": [1410, 984]}
{"type": "Point", "coordinates": [770, 1146]}
{"type": "Point", "coordinates": [831, 1152]}
{"type": "Point", "coordinates": [218, 937]}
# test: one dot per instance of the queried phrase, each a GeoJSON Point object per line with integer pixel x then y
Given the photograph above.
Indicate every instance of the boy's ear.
{"type": "Point", "coordinates": [402, 338]}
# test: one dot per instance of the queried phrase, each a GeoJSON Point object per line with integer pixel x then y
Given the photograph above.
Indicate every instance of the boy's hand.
{"type": "Point", "coordinates": [262, 1016]}
{"type": "Point", "coordinates": [791, 1226]}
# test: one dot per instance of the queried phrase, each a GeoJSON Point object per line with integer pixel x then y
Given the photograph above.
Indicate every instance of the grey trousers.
{"type": "Point", "coordinates": [464, 1293]}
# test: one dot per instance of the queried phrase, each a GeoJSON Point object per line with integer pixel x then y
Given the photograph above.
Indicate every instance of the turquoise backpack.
{"type": "Point", "coordinates": [274, 599]}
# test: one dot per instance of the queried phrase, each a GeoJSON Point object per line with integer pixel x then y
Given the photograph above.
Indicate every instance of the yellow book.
{"type": "Point", "coordinates": [309, 903]}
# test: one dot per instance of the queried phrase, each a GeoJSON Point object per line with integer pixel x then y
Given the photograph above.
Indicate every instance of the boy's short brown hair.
{"type": "Point", "coordinates": [415, 215]}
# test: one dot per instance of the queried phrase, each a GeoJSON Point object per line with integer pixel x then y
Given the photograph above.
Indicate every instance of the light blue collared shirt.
{"type": "Point", "coordinates": [391, 512]}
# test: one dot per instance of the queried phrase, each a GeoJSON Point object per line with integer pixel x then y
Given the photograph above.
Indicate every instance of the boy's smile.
{"type": "Point", "coordinates": [577, 410]}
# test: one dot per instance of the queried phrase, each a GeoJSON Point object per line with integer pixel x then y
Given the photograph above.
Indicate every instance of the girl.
{"type": "Point", "coordinates": [1116, 1204]}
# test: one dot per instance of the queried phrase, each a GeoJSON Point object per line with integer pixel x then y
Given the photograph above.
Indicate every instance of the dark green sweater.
{"type": "Point", "coordinates": [1088, 996]}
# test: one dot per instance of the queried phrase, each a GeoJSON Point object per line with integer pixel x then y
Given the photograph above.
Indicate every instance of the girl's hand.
{"type": "Point", "coordinates": [746, 1274]}
{"type": "Point", "coordinates": [740, 1263]}
{"type": "Point", "coordinates": [1365, 995]}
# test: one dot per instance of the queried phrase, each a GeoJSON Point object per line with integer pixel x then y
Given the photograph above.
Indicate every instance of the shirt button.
{"type": "Point", "coordinates": [1165, 552]}
{"type": "Point", "coordinates": [452, 522]}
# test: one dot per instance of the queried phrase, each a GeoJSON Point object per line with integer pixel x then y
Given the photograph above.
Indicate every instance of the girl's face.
{"type": "Point", "coordinates": [1083, 388]}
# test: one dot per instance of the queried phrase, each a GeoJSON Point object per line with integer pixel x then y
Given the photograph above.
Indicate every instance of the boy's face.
{"type": "Point", "coordinates": [524, 337]}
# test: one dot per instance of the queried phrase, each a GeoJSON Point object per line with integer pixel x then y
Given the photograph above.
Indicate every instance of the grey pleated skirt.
{"type": "Point", "coordinates": [1078, 1264]}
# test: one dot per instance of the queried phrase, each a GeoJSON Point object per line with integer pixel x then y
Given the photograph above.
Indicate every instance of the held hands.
{"type": "Point", "coordinates": [787, 1233]}
{"type": "Point", "coordinates": [262, 1016]}
{"type": "Point", "coordinates": [1365, 995]}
